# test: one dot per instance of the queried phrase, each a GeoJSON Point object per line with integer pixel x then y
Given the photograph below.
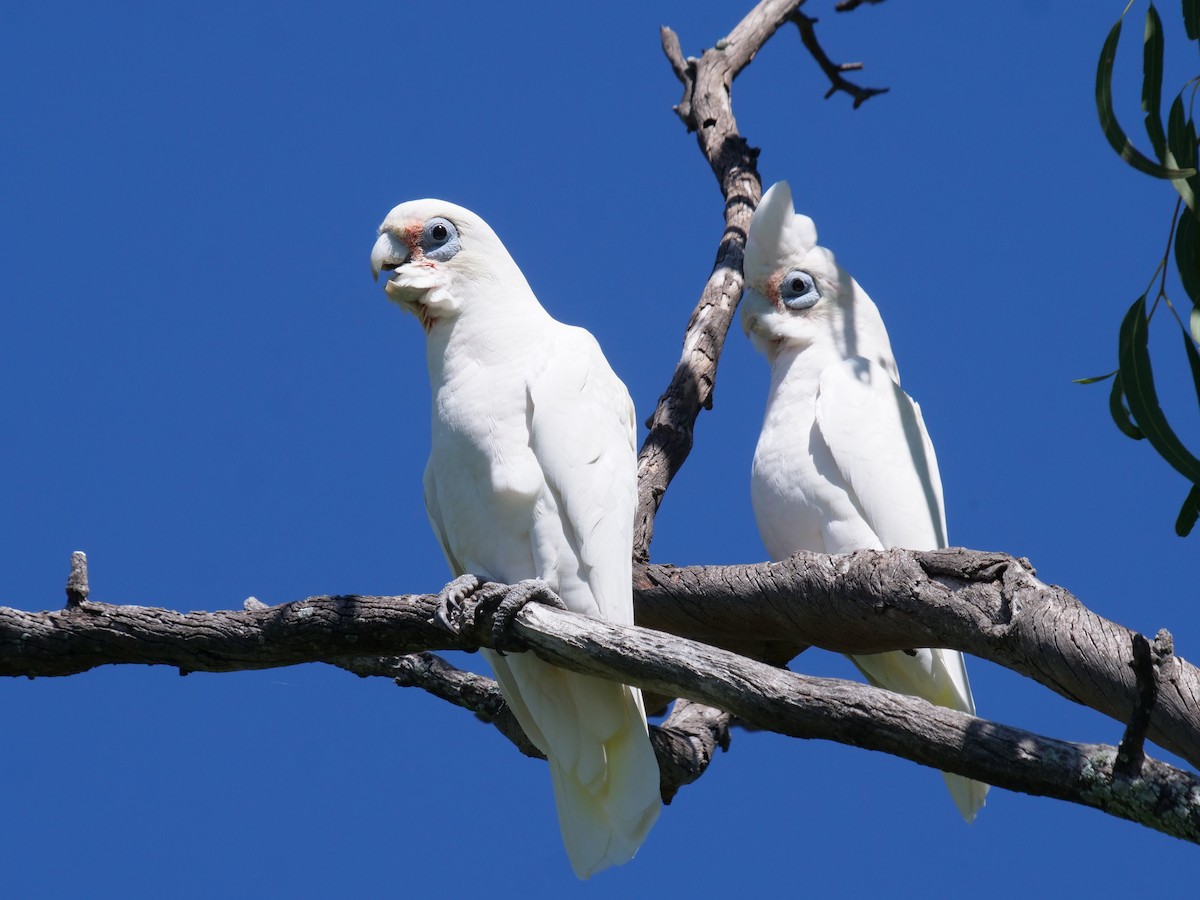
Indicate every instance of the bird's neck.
{"type": "Point", "coordinates": [795, 376]}
{"type": "Point", "coordinates": [496, 334]}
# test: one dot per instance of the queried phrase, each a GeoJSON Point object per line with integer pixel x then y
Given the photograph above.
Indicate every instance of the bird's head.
{"type": "Point", "coordinates": [795, 294]}
{"type": "Point", "coordinates": [438, 257]}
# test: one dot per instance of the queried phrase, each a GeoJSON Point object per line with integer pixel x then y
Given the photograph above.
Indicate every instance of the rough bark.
{"type": "Point", "coordinates": [986, 604]}
{"type": "Point", "coordinates": [762, 695]}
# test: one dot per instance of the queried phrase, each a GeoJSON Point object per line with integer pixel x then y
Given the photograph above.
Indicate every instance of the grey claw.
{"type": "Point", "coordinates": [533, 590]}
{"type": "Point", "coordinates": [449, 610]}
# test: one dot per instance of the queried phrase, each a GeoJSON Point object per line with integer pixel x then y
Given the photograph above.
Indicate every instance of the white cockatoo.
{"type": "Point", "coordinates": [532, 474]}
{"type": "Point", "coordinates": [843, 461]}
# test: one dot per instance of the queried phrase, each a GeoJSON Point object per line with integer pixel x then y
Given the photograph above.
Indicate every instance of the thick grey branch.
{"type": "Point", "coordinates": [1163, 797]}
{"type": "Point", "coordinates": [987, 604]}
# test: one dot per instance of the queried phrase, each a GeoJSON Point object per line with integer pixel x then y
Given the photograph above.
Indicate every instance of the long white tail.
{"type": "Point", "coordinates": [593, 732]}
{"type": "Point", "coordinates": [939, 676]}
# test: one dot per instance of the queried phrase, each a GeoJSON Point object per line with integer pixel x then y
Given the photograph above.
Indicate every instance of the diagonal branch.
{"type": "Point", "coordinates": [707, 109]}
{"type": "Point", "coordinates": [684, 744]}
{"type": "Point", "coordinates": [769, 698]}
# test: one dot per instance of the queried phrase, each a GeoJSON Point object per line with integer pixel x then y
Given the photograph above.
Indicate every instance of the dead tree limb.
{"type": "Point", "coordinates": [764, 696]}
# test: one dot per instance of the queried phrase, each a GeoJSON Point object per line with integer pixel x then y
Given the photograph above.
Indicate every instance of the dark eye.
{"type": "Point", "coordinates": [797, 290]}
{"type": "Point", "coordinates": [439, 240]}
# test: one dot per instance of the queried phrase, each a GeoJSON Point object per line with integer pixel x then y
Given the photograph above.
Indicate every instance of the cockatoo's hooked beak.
{"type": "Point", "coordinates": [388, 253]}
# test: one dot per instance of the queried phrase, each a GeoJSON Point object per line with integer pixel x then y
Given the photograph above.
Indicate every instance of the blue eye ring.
{"type": "Point", "coordinates": [798, 290]}
{"type": "Point", "coordinates": [439, 239]}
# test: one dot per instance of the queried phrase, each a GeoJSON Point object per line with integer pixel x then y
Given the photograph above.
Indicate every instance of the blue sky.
{"type": "Point", "coordinates": [202, 388]}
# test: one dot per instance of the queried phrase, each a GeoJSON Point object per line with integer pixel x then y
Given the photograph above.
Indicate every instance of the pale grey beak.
{"type": "Point", "coordinates": [388, 253]}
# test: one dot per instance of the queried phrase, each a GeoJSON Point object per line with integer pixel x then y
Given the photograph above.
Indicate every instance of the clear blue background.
{"type": "Point", "coordinates": [202, 388]}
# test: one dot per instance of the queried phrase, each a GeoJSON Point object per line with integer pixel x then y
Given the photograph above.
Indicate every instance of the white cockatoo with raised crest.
{"type": "Point", "coordinates": [532, 475]}
{"type": "Point", "coordinates": [843, 461]}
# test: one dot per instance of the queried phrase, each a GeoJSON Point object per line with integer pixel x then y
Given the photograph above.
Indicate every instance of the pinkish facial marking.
{"type": "Point", "coordinates": [773, 285]}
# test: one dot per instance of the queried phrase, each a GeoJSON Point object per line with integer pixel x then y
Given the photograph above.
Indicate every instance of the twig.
{"type": "Point", "coordinates": [435, 675]}
{"type": "Point", "coordinates": [77, 581]}
{"type": "Point", "coordinates": [685, 743]}
{"type": "Point", "coordinates": [1131, 753]}
{"type": "Point", "coordinates": [833, 71]}
{"type": "Point", "coordinates": [848, 5]}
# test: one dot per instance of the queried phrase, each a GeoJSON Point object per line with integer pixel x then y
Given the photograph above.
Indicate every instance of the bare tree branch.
{"type": "Point", "coordinates": [986, 604]}
{"type": "Point", "coordinates": [833, 71]}
{"type": "Point", "coordinates": [766, 697]}
{"type": "Point", "coordinates": [706, 109]}
{"type": "Point", "coordinates": [436, 676]}
{"type": "Point", "coordinates": [848, 5]}
{"type": "Point", "coordinates": [684, 744]}
{"type": "Point", "coordinates": [1163, 797]}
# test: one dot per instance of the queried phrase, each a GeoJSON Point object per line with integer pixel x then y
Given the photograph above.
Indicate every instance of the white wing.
{"type": "Point", "coordinates": [879, 444]}
{"type": "Point", "coordinates": [881, 448]}
{"type": "Point", "coordinates": [593, 732]}
{"type": "Point", "coordinates": [581, 430]}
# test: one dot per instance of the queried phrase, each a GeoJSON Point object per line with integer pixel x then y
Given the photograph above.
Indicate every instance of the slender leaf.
{"type": "Point", "coordinates": [1120, 415]}
{"type": "Point", "coordinates": [1108, 120]}
{"type": "Point", "coordinates": [1194, 323]}
{"type": "Point", "coordinates": [1181, 151]}
{"type": "Point", "coordinates": [1189, 513]}
{"type": "Point", "coordinates": [1094, 378]}
{"type": "Point", "coordinates": [1137, 379]}
{"type": "Point", "coordinates": [1191, 18]}
{"type": "Point", "coordinates": [1189, 347]}
{"type": "Point", "coordinates": [1152, 70]}
{"type": "Point", "coordinates": [1187, 255]}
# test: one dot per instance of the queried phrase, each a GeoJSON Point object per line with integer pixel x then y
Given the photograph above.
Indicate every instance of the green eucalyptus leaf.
{"type": "Point", "coordinates": [1108, 120]}
{"type": "Point", "coordinates": [1191, 18]}
{"type": "Point", "coordinates": [1194, 323]}
{"type": "Point", "coordinates": [1189, 347]}
{"type": "Point", "coordinates": [1189, 513]}
{"type": "Point", "coordinates": [1137, 380]}
{"type": "Point", "coordinates": [1187, 256]}
{"type": "Point", "coordinates": [1093, 379]}
{"type": "Point", "coordinates": [1120, 415]}
{"type": "Point", "coordinates": [1152, 70]}
{"type": "Point", "coordinates": [1181, 151]}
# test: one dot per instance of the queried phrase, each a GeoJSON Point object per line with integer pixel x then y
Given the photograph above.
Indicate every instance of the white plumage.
{"type": "Point", "coordinates": [532, 474]}
{"type": "Point", "coordinates": [843, 461]}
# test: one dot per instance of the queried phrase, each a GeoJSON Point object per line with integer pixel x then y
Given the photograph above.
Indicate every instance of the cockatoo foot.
{"type": "Point", "coordinates": [532, 590]}
{"type": "Point", "coordinates": [449, 612]}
